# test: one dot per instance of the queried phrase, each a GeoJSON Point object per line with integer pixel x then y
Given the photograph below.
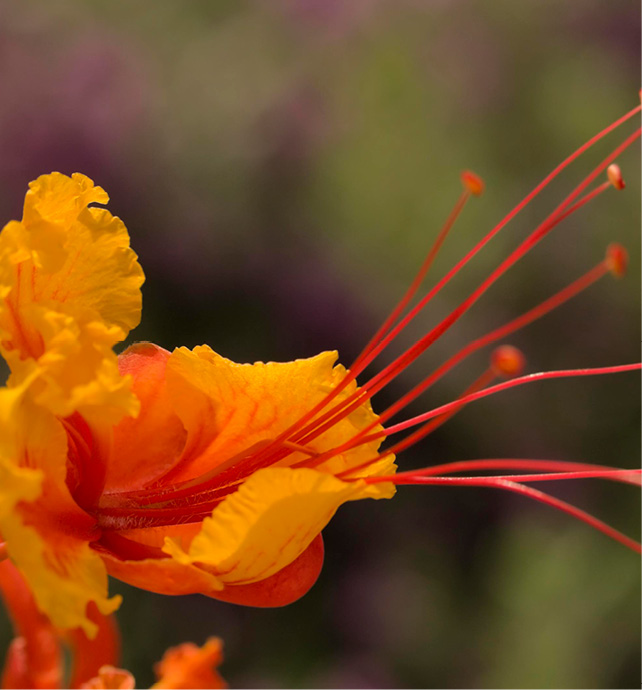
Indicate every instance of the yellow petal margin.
{"type": "Point", "coordinates": [268, 522]}
{"type": "Point", "coordinates": [71, 290]}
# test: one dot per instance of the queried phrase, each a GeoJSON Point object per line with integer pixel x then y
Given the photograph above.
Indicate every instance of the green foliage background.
{"type": "Point", "coordinates": [282, 167]}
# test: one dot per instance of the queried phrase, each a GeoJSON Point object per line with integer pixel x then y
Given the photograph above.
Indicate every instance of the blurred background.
{"type": "Point", "coordinates": [282, 166]}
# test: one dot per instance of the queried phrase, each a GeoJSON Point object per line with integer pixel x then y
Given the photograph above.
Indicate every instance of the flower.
{"type": "Point", "coordinates": [36, 655]}
{"type": "Point", "coordinates": [184, 666]}
{"type": "Point", "coordinates": [185, 472]}
{"type": "Point", "coordinates": [74, 443]}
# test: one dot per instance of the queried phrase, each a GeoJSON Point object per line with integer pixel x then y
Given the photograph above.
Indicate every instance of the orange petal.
{"type": "Point", "coordinates": [167, 576]}
{"type": "Point", "coordinates": [228, 408]}
{"type": "Point", "coordinates": [34, 658]}
{"type": "Point", "coordinates": [190, 666]}
{"type": "Point", "coordinates": [90, 656]}
{"type": "Point", "coordinates": [148, 446]}
{"type": "Point", "coordinates": [161, 575]}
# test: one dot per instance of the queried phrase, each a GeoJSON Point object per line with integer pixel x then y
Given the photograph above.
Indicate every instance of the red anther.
{"type": "Point", "coordinates": [614, 174]}
{"type": "Point", "coordinates": [507, 361]}
{"type": "Point", "coordinates": [617, 259]}
{"type": "Point", "coordinates": [473, 183]}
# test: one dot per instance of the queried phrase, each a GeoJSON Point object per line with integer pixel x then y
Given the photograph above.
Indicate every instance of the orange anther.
{"type": "Point", "coordinates": [473, 183]}
{"type": "Point", "coordinates": [507, 361]}
{"type": "Point", "coordinates": [614, 174]}
{"type": "Point", "coordinates": [617, 259]}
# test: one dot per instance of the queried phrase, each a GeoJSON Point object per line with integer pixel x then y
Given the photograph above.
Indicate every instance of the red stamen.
{"type": "Point", "coordinates": [520, 322]}
{"type": "Point", "coordinates": [383, 378]}
{"type": "Point", "coordinates": [615, 176]}
{"type": "Point", "coordinates": [428, 428]}
{"type": "Point", "coordinates": [351, 375]}
{"type": "Point", "coordinates": [502, 483]}
{"type": "Point", "coordinates": [553, 467]}
{"type": "Point", "coordinates": [473, 185]}
{"type": "Point", "coordinates": [520, 381]}
{"type": "Point", "coordinates": [376, 383]}
{"type": "Point", "coordinates": [507, 360]}
{"type": "Point", "coordinates": [617, 259]}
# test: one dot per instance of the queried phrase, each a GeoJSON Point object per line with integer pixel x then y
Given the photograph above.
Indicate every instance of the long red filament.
{"type": "Point", "coordinates": [499, 333]}
{"type": "Point", "coordinates": [507, 484]}
{"type": "Point", "coordinates": [513, 383]}
{"type": "Point", "coordinates": [550, 466]}
{"type": "Point", "coordinates": [624, 476]}
{"type": "Point", "coordinates": [391, 371]}
{"type": "Point", "coordinates": [382, 379]}
{"type": "Point", "coordinates": [431, 426]}
{"type": "Point", "coordinates": [351, 375]}
{"type": "Point", "coordinates": [417, 281]}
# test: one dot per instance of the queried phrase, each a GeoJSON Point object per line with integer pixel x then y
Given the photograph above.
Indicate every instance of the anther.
{"type": "Point", "coordinates": [507, 361]}
{"type": "Point", "coordinates": [473, 183]}
{"type": "Point", "coordinates": [617, 259]}
{"type": "Point", "coordinates": [614, 174]}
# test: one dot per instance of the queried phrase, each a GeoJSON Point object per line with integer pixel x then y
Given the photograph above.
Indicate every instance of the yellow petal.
{"type": "Point", "coordinates": [71, 289]}
{"type": "Point", "coordinates": [48, 536]}
{"type": "Point", "coordinates": [268, 522]}
{"type": "Point", "coordinates": [229, 408]}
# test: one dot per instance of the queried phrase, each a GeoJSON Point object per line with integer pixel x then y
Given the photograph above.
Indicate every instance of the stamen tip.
{"type": "Point", "coordinates": [472, 182]}
{"type": "Point", "coordinates": [617, 259]}
{"type": "Point", "coordinates": [507, 361]}
{"type": "Point", "coordinates": [614, 174]}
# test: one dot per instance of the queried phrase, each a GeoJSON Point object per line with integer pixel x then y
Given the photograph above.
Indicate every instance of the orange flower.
{"type": "Point", "coordinates": [184, 472]}
{"type": "Point", "coordinates": [185, 666]}
{"type": "Point", "coordinates": [35, 656]}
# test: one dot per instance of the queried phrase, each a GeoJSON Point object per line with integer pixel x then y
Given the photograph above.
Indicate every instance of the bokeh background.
{"type": "Point", "coordinates": [282, 165]}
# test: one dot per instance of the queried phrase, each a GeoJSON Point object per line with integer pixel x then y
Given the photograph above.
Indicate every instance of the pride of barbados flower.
{"type": "Point", "coordinates": [184, 472]}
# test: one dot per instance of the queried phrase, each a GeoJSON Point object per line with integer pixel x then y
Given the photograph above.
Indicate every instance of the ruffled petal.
{"type": "Point", "coordinates": [191, 666]}
{"type": "Point", "coordinates": [268, 522]}
{"type": "Point", "coordinates": [229, 408]}
{"type": "Point", "coordinates": [71, 289]}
